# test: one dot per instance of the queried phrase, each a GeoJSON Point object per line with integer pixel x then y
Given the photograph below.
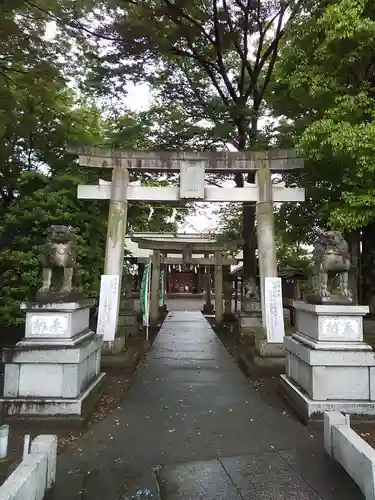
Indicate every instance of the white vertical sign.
{"type": "Point", "coordinates": [108, 306]}
{"type": "Point", "coordinates": [273, 304]}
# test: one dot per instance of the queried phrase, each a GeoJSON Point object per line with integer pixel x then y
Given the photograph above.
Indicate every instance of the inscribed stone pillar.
{"type": "Point", "coordinates": [155, 285]}
{"type": "Point", "coordinates": [265, 229]}
{"type": "Point", "coordinates": [114, 252]}
{"type": "Point", "coordinates": [218, 288]}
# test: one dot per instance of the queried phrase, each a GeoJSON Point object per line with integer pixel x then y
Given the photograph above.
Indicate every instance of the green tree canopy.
{"type": "Point", "coordinates": [39, 114]}
{"type": "Point", "coordinates": [291, 253]}
{"type": "Point", "coordinates": [209, 62]}
{"type": "Point", "coordinates": [324, 86]}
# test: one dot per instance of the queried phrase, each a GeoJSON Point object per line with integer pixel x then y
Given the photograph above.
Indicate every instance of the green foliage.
{"type": "Point", "coordinates": [23, 233]}
{"type": "Point", "coordinates": [208, 63]}
{"type": "Point", "coordinates": [325, 81]}
{"type": "Point", "coordinates": [39, 114]}
{"type": "Point", "coordinates": [197, 58]}
{"type": "Point", "coordinates": [291, 254]}
{"type": "Point", "coordinates": [229, 222]}
{"type": "Point", "coordinates": [38, 184]}
{"type": "Point", "coordinates": [39, 187]}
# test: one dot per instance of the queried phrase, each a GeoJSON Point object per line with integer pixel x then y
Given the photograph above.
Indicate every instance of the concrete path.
{"type": "Point", "coordinates": [190, 403]}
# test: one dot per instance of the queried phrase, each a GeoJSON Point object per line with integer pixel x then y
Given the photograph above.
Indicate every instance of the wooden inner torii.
{"type": "Point", "coordinates": [217, 249]}
{"type": "Point", "coordinates": [192, 167]}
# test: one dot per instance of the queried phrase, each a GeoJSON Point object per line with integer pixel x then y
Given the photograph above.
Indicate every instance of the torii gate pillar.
{"type": "Point", "coordinates": [114, 252]}
{"type": "Point", "coordinates": [267, 254]}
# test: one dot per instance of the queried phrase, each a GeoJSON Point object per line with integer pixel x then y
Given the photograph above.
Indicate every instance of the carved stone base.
{"type": "Point", "coordinates": [250, 324]}
{"type": "Point", "coordinates": [55, 410]}
{"type": "Point", "coordinates": [330, 323]}
{"type": "Point", "coordinates": [56, 321]}
{"type": "Point", "coordinates": [312, 410]}
{"type": "Point", "coordinates": [331, 374]}
{"type": "Point", "coordinates": [55, 342]}
{"type": "Point", "coordinates": [51, 371]}
{"type": "Point", "coordinates": [328, 366]}
{"type": "Point", "coordinates": [55, 369]}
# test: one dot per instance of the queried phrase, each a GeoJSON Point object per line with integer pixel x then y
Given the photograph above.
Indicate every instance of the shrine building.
{"type": "Point", "coordinates": [180, 278]}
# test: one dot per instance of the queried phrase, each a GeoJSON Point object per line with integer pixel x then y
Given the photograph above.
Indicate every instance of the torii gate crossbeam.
{"type": "Point", "coordinates": [192, 167]}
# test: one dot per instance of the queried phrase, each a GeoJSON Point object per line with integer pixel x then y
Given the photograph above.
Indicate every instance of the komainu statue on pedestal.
{"type": "Point", "coordinates": [331, 260]}
{"type": "Point", "coordinates": [59, 259]}
{"type": "Point", "coordinates": [251, 297]}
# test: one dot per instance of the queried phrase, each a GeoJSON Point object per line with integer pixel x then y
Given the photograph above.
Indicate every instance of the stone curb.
{"type": "Point", "coordinates": [345, 446]}
{"type": "Point", "coordinates": [36, 474]}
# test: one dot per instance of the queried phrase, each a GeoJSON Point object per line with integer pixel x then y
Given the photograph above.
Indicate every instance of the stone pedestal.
{"type": "Point", "coordinates": [249, 320]}
{"type": "Point", "coordinates": [127, 327]}
{"type": "Point", "coordinates": [262, 359]}
{"type": "Point", "coordinates": [267, 349]}
{"type": "Point", "coordinates": [328, 366]}
{"type": "Point", "coordinates": [54, 372]}
{"type": "Point", "coordinates": [128, 317]}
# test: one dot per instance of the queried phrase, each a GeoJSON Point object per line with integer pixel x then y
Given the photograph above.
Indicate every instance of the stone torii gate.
{"type": "Point", "coordinates": [187, 250]}
{"type": "Point", "coordinates": [192, 167]}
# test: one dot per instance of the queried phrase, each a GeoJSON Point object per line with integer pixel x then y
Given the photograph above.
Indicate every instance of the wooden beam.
{"type": "Point", "coordinates": [170, 246]}
{"type": "Point", "coordinates": [202, 261]}
{"type": "Point", "coordinates": [172, 194]}
{"type": "Point", "coordinates": [217, 161]}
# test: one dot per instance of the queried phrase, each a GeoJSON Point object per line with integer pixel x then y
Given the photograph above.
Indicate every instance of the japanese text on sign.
{"type": "Point", "coordinates": [274, 310]}
{"type": "Point", "coordinates": [108, 310]}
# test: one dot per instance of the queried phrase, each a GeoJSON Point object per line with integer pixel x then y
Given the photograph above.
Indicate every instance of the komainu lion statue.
{"type": "Point", "coordinates": [331, 259]}
{"type": "Point", "coordinates": [59, 258]}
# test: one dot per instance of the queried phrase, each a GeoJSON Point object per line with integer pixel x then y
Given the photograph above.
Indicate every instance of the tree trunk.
{"type": "Point", "coordinates": [250, 242]}
{"type": "Point", "coordinates": [353, 240]}
{"type": "Point", "coordinates": [250, 268]}
{"type": "Point", "coordinates": [367, 266]}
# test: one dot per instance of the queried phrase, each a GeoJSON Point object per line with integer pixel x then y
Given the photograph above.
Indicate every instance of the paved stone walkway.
{"type": "Point", "coordinates": [191, 403]}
